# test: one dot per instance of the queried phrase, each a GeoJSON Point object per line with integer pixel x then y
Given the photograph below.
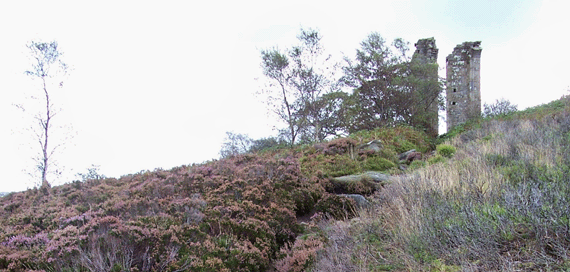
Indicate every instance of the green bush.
{"type": "Point", "coordinates": [378, 164]}
{"type": "Point", "coordinates": [329, 166]}
{"type": "Point", "coordinates": [340, 165]}
{"type": "Point", "coordinates": [417, 164]}
{"type": "Point", "coordinates": [436, 159]}
{"type": "Point", "coordinates": [404, 145]}
{"type": "Point", "coordinates": [446, 150]}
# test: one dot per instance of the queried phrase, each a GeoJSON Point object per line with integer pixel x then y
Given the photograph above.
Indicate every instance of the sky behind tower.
{"type": "Point", "coordinates": [158, 83]}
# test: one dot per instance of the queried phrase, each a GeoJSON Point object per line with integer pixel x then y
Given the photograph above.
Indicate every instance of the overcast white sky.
{"type": "Point", "coordinates": [158, 83]}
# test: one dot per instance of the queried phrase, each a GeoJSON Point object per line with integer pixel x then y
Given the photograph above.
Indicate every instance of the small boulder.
{"type": "Point", "coordinates": [413, 156]}
{"type": "Point", "coordinates": [361, 202]}
{"type": "Point", "coordinates": [375, 146]}
{"type": "Point", "coordinates": [404, 155]}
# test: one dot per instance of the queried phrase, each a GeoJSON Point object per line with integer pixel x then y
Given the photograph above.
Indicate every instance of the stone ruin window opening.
{"type": "Point", "coordinates": [453, 103]}
{"type": "Point", "coordinates": [454, 90]}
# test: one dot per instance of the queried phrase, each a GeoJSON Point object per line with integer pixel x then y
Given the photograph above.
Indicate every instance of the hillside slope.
{"type": "Point", "coordinates": [501, 203]}
{"type": "Point", "coordinates": [237, 214]}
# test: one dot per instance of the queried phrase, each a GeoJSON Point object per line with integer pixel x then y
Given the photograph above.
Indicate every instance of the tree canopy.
{"type": "Point", "coordinates": [389, 87]}
{"type": "Point", "coordinates": [299, 78]}
{"type": "Point", "coordinates": [381, 86]}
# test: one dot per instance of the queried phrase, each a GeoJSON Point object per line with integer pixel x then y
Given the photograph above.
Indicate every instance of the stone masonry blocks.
{"type": "Point", "coordinates": [463, 93]}
{"type": "Point", "coordinates": [426, 52]}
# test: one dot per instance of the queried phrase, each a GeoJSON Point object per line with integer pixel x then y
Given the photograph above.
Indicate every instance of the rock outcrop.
{"type": "Point", "coordinates": [361, 202]}
{"type": "Point", "coordinates": [374, 146]}
{"type": "Point", "coordinates": [370, 176]}
{"type": "Point", "coordinates": [365, 183]}
{"type": "Point", "coordinates": [409, 156]}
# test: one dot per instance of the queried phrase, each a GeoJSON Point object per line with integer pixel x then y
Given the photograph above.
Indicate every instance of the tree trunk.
{"type": "Point", "coordinates": [45, 158]}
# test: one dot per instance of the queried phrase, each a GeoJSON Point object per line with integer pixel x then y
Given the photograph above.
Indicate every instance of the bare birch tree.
{"type": "Point", "coordinates": [47, 69]}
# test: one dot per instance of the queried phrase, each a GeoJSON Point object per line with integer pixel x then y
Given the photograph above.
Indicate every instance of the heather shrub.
{"type": "Point", "coordinates": [305, 200]}
{"type": "Point", "coordinates": [323, 166]}
{"type": "Point", "coordinates": [301, 255]}
{"type": "Point", "coordinates": [337, 207]}
{"type": "Point", "coordinates": [233, 214]}
{"type": "Point", "coordinates": [361, 187]}
{"type": "Point", "coordinates": [337, 146]}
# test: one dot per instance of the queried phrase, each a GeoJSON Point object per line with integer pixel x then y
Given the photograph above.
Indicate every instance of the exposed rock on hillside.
{"type": "Point", "coordinates": [409, 156]}
{"type": "Point", "coordinates": [375, 146]}
{"type": "Point", "coordinates": [367, 182]}
{"type": "Point", "coordinates": [361, 202]}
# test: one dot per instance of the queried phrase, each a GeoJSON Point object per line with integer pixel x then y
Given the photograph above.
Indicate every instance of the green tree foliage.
{"type": "Point", "coordinates": [265, 143]}
{"type": "Point", "coordinates": [332, 108]}
{"type": "Point", "coordinates": [314, 77]}
{"type": "Point", "coordinates": [276, 68]}
{"type": "Point", "coordinates": [389, 87]}
{"type": "Point", "coordinates": [427, 94]}
{"type": "Point", "coordinates": [501, 107]}
{"type": "Point", "coordinates": [299, 79]}
{"type": "Point", "coordinates": [93, 173]}
{"type": "Point", "coordinates": [235, 144]}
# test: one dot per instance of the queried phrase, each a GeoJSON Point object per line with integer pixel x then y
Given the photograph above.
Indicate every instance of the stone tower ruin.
{"type": "Point", "coordinates": [426, 53]}
{"type": "Point", "coordinates": [463, 93]}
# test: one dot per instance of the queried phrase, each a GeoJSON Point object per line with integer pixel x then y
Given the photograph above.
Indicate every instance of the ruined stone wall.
{"type": "Point", "coordinates": [463, 91]}
{"type": "Point", "coordinates": [426, 52]}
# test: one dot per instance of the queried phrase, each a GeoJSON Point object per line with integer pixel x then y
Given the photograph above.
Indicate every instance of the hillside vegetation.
{"type": "Point", "coordinates": [241, 213]}
{"type": "Point", "coordinates": [494, 195]}
{"type": "Point", "coordinates": [502, 203]}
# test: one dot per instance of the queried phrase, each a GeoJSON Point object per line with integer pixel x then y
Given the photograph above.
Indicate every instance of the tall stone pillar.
{"type": "Point", "coordinates": [463, 90]}
{"type": "Point", "coordinates": [428, 92]}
